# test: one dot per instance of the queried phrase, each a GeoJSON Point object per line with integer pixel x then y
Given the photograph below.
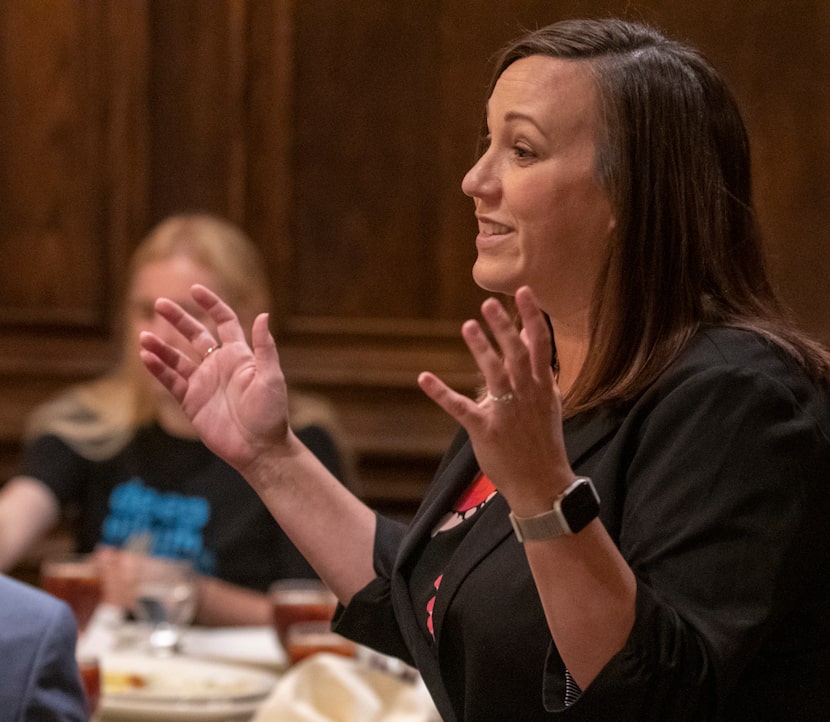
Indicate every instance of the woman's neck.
{"type": "Point", "coordinates": [571, 352]}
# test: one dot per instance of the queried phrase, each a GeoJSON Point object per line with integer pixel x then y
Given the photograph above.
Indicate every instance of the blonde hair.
{"type": "Point", "coordinates": [97, 419]}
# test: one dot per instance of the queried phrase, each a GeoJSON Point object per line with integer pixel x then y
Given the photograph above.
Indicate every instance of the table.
{"type": "Point", "coordinates": [239, 674]}
{"type": "Point", "coordinates": [220, 674]}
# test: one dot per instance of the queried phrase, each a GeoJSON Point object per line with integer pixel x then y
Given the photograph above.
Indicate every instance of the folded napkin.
{"type": "Point", "coordinates": [331, 688]}
{"type": "Point", "coordinates": [244, 645]}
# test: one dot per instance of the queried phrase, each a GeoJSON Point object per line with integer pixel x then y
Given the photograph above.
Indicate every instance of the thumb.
{"type": "Point", "coordinates": [265, 348]}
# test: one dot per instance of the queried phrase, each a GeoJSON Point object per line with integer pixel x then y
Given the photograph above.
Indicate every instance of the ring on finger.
{"type": "Point", "coordinates": [211, 350]}
{"type": "Point", "coordinates": [501, 398]}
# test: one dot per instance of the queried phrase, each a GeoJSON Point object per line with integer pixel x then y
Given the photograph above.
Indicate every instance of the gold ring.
{"type": "Point", "coordinates": [211, 350]}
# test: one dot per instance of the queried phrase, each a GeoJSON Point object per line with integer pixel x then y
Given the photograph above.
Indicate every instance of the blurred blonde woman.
{"type": "Point", "coordinates": [122, 461]}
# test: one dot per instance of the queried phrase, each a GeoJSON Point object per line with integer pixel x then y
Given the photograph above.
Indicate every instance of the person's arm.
{"type": "Point", "coordinates": [218, 603]}
{"type": "Point", "coordinates": [332, 528]}
{"type": "Point", "coordinates": [237, 400]}
{"type": "Point", "coordinates": [586, 587]}
{"type": "Point", "coordinates": [28, 509]}
{"type": "Point", "coordinates": [221, 604]}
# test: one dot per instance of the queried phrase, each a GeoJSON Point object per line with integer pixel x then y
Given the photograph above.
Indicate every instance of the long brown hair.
{"type": "Point", "coordinates": [687, 251]}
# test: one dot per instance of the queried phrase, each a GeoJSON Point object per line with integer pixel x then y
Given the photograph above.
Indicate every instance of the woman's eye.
{"type": "Point", "coordinates": [522, 153]}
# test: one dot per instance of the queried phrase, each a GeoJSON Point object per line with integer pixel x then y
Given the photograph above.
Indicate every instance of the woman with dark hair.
{"type": "Point", "coordinates": [635, 531]}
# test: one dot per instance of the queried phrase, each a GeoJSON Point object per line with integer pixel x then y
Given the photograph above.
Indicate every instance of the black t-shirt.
{"type": "Point", "coordinates": [202, 504]}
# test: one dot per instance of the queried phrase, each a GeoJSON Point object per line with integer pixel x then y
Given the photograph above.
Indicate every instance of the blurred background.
{"type": "Point", "coordinates": [337, 135]}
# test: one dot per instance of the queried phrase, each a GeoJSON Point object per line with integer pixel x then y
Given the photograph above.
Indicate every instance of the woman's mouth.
{"type": "Point", "coordinates": [490, 232]}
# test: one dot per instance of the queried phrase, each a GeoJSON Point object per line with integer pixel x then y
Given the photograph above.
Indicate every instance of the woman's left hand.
{"type": "Point", "coordinates": [516, 429]}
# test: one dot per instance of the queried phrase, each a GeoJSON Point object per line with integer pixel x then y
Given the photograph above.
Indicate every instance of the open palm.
{"type": "Point", "coordinates": [236, 396]}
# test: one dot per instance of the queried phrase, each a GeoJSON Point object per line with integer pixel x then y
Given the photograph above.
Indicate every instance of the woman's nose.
{"type": "Point", "coordinates": [479, 181]}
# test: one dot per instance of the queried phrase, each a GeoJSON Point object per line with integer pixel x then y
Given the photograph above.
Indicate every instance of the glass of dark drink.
{"type": "Point", "coordinates": [91, 680]}
{"type": "Point", "coordinates": [74, 579]}
{"type": "Point", "coordinates": [299, 600]}
{"type": "Point", "coordinates": [304, 639]}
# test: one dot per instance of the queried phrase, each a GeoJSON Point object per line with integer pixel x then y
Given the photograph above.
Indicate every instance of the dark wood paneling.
{"type": "Point", "coordinates": [51, 195]}
{"type": "Point", "coordinates": [269, 191]}
{"type": "Point", "coordinates": [72, 192]}
{"type": "Point", "coordinates": [198, 144]}
{"type": "Point", "coordinates": [365, 171]}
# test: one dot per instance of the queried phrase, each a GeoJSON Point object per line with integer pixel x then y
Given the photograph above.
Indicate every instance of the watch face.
{"type": "Point", "coordinates": [580, 506]}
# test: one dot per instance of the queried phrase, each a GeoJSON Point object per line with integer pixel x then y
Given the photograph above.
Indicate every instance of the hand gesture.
{"type": "Point", "coordinates": [516, 429]}
{"type": "Point", "coordinates": [236, 395]}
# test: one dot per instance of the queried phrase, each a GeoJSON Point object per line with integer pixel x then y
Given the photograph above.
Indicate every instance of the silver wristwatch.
{"type": "Point", "coordinates": [572, 511]}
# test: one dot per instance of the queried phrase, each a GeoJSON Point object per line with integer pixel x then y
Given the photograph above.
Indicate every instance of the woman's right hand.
{"type": "Point", "coordinates": [236, 396]}
{"type": "Point", "coordinates": [237, 401]}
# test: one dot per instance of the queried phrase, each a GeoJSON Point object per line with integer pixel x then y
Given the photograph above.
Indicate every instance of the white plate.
{"type": "Point", "coordinates": [184, 689]}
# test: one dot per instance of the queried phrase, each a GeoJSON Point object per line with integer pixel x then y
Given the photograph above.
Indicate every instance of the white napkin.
{"type": "Point", "coordinates": [332, 688]}
{"type": "Point", "coordinates": [245, 645]}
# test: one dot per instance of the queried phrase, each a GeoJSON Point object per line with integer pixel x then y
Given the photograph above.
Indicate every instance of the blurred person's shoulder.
{"type": "Point", "coordinates": [93, 419]}
{"type": "Point", "coordinates": [19, 600]}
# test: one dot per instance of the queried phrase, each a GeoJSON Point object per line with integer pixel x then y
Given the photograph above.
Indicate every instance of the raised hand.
{"type": "Point", "coordinates": [516, 429]}
{"type": "Point", "coordinates": [236, 395]}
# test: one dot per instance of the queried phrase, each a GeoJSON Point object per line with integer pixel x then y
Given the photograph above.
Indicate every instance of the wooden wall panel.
{"type": "Point", "coordinates": [72, 192]}
{"type": "Point", "coordinates": [198, 144]}
{"type": "Point", "coordinates": [67, 202]}
{"type": "Point", "coordinates": [50, 198]}
{"type": "Point", "coordinates": [367, 126]}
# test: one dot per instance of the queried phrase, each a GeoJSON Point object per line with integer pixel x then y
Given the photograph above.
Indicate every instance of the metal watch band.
{"type": "Point", "coordinates": [561, 519]}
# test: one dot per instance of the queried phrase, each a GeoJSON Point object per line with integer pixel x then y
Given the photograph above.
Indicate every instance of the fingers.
{"type": "Point", "coordinates": [460, 407]}
{"type": "Point", "coordinates": [536, 336]}
{"type": "Point", "coordinates": [265, 351]}
{"type": "Point", "coordinates": [227, 323]}
{"type": "Point", "coordinates": [486, 356]}
{"type": "Point", "coordinates": [262, 340]}
{"type": "Point", "coordinates": [517, 365]}
{"type": "Point", "coordinates": [523, 363]}
{"type": "Point", "coordinates": [200, 337]}
{"type": "Point", "coordinates": [171, 367]}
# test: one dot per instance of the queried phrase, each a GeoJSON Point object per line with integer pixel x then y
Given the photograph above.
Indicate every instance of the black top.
{"type": "Point", "coordinates": [714, 486]}
{"type": "Point", "coordinates": [183, 491]}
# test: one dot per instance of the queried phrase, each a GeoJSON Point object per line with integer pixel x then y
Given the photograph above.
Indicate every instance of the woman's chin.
{"type": "Point", "coordinates": [495, 280]}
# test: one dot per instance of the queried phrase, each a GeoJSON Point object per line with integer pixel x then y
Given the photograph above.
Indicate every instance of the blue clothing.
{"type": "Point", "coordinates": [39, 677]}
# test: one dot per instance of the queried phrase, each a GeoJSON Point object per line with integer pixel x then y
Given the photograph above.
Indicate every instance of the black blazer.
{"type": "Point", "coordinates": [714, 486]}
